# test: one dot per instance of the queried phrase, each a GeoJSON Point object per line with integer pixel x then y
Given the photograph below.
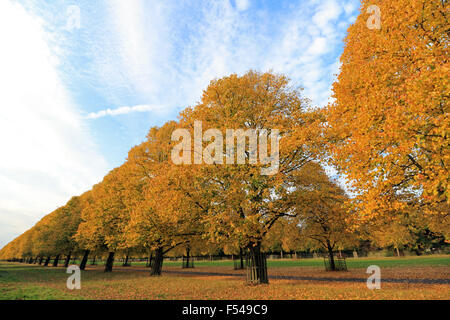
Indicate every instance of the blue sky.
{"type": "Point", "coordinates": [83, 81]}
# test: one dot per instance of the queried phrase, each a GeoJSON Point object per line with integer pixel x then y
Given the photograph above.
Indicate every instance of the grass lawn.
{"type": "Point", "coordinates": [22, 281]}
{"type": "Point", "coordinates": [430, 260]}
{"type": "Point", "coordinates": [25, 282]}
{"type": "Point", "coordinates": [351, 262]}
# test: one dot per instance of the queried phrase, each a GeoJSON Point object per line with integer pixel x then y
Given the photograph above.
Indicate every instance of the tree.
{"type": "Point", "coordinates": [403, 229]}
{"type": "Point", "coordinates": [321, 211]}
{"type": "Point", "coordinates": [45, 240]}
{"type": "Point", "coordinates": [86, 238]}
{"type": "Point", "coordinates": [65, 225]}
{"type": "Point", "coordinates": [24, 246]}
{"type": "Point", "coordinates": [285, 235]}
{"type": "Point", "coordinates": [105, 217]}
{"type": "Point", "coordinates": [160, 220]}
{"type": "Point", "coordinates": [389, 124]}
{"type": "Point", "coordinates": [241, 201]}
{"type": "Point", "coordinates": [275, 238]}
{"type": "Point", "coordinates": [392, 234]}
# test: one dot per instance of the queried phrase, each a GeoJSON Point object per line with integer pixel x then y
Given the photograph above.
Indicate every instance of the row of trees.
{"type": "Point", "coordinates": [387, 132]}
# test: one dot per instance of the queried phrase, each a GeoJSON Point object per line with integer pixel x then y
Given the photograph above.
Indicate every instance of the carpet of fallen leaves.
{"type": "Point", "coordinates": [135, 283]}
{"type": "Point", "coordinates": [313, 272]}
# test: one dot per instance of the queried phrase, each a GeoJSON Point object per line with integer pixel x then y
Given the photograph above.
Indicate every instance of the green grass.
{"type": "Point", "coordinates": [410, 261]}
{"type": "Point", "coordinates": [401, 262]}
{"type": "Point", "coordinates": [351, 262]}
{"type": "Point", "coordinates": [31, 293]}
{"type": "Point", "coordinates": [365, 262]}
{"type": "Point", "coordinates": [21, 282]}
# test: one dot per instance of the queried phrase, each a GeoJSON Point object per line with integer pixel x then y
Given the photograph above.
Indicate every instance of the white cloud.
{"type": "Point", "coordinates": [242, 5]}
{"type": "Point", "coordinates": [168, 67]}
{"type": "Point", "coordinates": [172, 66]}
{"type": "Point", "coordinates": [318, 46]}
{"type": "Point", "coordinates": [142, 44]}
{"type": "Point", "coordinates": [349, 7]}
{"type": "Point", "coordinates": [47, 154]}
{"type": "Point", "coordinates": [123, 110]}
{"type": "Point", "coordinates": [308, 36]}
{"type": "Point", "coordinates": [328, 12]}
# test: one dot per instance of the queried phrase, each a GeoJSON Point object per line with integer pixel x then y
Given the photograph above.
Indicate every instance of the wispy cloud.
{"type": "Point", "coordinates": [122, 110]}
{"type": "Point", "coordinates": [47, 152]}
{"type": "Point", "coordinates": [242, 5]}
{"type": "Point", "coordinates": [169, 52]}
{"type": "Point", "coordinates": [153, 57]}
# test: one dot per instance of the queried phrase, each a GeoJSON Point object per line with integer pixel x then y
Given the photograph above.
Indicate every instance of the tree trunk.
{"type": "Point", "coordinates": [109, 262]}
{"type": "Point", "coordinates": [66, 264]}
{"type": "Point", "coordinates": [149, 260]}
{"type": "Point", "coordinates": [156, 264]}
{"type": "Point", "coordinates": [398, 252]}
{"type": "Point", "coordinates": [40, 260]}
{"type": "Point", "coordinates": [331, 256]}
{"type": "Point", "coordinates": [188, 251]}
{"type": "Point", "coordinates": [257, 268]}
{"type": "Point", "coordinates": [125, 264]}
{"type": "Point", "coordinates": [281, 254]}
{"type": "Point", "coordinates": [93, 261]}
{"type": "Point", "coordinates": [84, 260]}
{"type": "Point", "coordinates": [241, 257]}
{"type": "Point", "coordinates": [55, 262]}
{"type": "Point", "coordinates": [46, 261]}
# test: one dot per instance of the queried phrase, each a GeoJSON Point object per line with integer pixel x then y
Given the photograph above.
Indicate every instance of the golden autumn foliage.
{"type": "Point", "coordinates": [389, 124]}
{"type": "Point", "coordinates": [160, 220]}
{"type": "Point", "coordinates": [105, 215]}
{"type": "Point", "coordinates": [240, 202]}
{"type": "Point", "coordinates": [322, 212]}
{"type": "Point", "coordinates": [387, 132]}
